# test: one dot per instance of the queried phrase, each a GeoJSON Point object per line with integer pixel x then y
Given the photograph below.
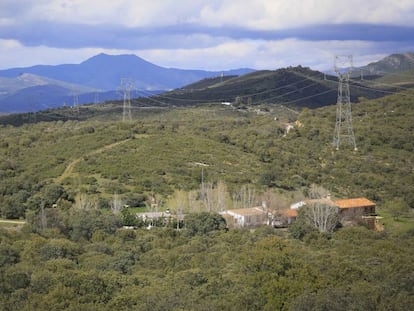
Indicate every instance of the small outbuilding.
{"type": "Point", "coordinates": [246, 217]}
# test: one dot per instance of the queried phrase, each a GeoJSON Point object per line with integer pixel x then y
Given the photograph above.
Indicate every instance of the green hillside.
{"type": "Point", "coordinates": [63, 170]}
{"type": "Point", "coordinates": [159, 150]}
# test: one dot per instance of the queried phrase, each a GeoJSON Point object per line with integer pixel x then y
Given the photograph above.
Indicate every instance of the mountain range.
{"type": "Point", "coordinates": [101, 73]}
{"type": "Point", "coordinates": [98, 79]}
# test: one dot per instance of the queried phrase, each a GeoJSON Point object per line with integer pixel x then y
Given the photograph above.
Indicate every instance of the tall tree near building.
{"type": "Point", "coordinates": [320, 212]}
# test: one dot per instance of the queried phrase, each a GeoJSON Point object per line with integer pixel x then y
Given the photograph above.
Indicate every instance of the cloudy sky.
{"type": "Point", "coordinates": [205, 34]}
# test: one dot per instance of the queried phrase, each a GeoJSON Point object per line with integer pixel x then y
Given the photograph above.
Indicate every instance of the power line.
{"type": "Point", "coordinates": [288, 93]}
{"type": "Point", "coordinates": [311, 78]}
{"type": "Point", "coordinates": [307, 97]}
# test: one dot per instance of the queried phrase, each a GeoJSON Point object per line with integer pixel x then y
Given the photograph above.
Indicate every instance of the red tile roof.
{"type": "Point", "coordinates": [290, 212]}
{"type": "Point", "coordinates": [353, 203]}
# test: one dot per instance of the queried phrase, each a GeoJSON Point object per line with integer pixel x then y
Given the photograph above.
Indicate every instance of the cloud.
{"type": "Point", "coordinates": [252, 14]}
{"type": "Point", "coordinates": [214, 34]}
{"type": "Point", "coordinates": [187, 36]}
{"type": "Point", "coordinates": [272, 54]}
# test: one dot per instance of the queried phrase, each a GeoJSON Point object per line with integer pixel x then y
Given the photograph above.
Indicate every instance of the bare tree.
{"type": "Point", "coordinates": [179, 204]}
{"type": "Point", "coordinates": [274, 200]}
{"type": "Point", "coordinates": [83, 201]}
{"type": "Point", "coordinates": [222, 195]}
{"type": "Point", "coordinates": [43, 220]}
{"type": "Point", "coordinates": [208, 196]}
{"type": "Point", "coordinates": [317, 192]}
{"type": "Point", "coordinates": [214, 198]}
{"type": "Point", "coordinates": [116, 204]}
{"type": "Point", "coordinates": [245, 197]}
{"type": "Point", "coordinates": [321, 212]}
{"type": "Point", "coordinates": [322, 215]}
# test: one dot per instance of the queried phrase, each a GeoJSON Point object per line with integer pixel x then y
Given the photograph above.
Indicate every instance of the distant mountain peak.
{"type": "Point", "coordinates": [390, 64]}
{"type": "Point", "coordinates": [102, 57]}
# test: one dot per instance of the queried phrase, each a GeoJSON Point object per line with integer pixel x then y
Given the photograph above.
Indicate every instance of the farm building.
{"type": "Point", "coordinates": [357, 211]}
{"type": "Point", "coordinates": [283, 218]}
{"type": "Point", "coordinates": [246, 217]}
{"type": "Point", "coordinates": [351, 211]}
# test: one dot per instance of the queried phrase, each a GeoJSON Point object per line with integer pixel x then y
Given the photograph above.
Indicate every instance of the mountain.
{"type": "Point", "coordinates": [105, 72]}
{"type": "Point", "coordinates": [34, 88]}
{"type": "Point", "coordinates": [30, 92]}
{"type": "Point", "coordinates": [390, 64]}
{"type": "Point", "coordinates": [43, 86]}
{"type": "Point", "coordinates": [11, 85]}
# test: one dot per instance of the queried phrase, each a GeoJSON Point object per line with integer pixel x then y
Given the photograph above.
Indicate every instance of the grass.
{"type": "Point", "coordinates": [399, 225]}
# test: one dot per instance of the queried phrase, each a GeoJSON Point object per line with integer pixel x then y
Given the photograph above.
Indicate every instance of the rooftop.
{"type": "Point", "coordinates": [247, 211]}
{"type": "Point", "coordinates": [290, 212]}
{"type": "Point", "coordinates": [352, 203]}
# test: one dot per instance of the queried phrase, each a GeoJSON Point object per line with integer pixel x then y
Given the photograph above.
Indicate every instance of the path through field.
{"type": "Point", "coordinates": [68, 170]}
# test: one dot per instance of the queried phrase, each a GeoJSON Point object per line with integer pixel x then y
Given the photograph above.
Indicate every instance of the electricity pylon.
{"type": "Point", "coordinates": [126, 86]}
{"type": "Point", "coordinates": [344, 131]}
{"type": "Point", "coordinates": [75, 103]}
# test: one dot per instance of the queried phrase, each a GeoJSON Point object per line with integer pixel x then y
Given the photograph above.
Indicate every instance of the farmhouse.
{"type": "Point", "coordinates": [355, 207]}
{"type": "Point", "coordinates": [283, 218]}
{"type": "Point", "coordinates": [357, 211]}
{"type": "Point", "coordinates": [246, 217]}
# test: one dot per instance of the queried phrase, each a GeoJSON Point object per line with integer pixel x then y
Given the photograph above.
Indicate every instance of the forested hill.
{"type": "Point", "coordinates": [64, 178]}
{"type": "Point", "coordinates": [158, 148]}
{"type": "Point", "coordinates": [293, 86]}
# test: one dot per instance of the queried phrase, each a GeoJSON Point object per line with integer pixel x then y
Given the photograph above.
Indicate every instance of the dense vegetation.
{"type": "Point", "coordinates": [160, 152]}
{"type": "Point", "coordinates": [166, 269]}
{"type": "Point", "coordinates": [62, 170]}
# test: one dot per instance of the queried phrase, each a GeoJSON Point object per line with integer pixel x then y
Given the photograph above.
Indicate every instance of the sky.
{"type": "Point", "coordinates": [205, 34]}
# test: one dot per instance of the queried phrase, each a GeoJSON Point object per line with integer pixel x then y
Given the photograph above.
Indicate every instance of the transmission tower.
{"type": "Point", "coordinates": [96, 99]}
{"type": "Point", "coordinates": [344, 132]}
{"type": "Point", "coordinates": [76, 103]}
{"type": "Point", "coordinates": [126, 86]}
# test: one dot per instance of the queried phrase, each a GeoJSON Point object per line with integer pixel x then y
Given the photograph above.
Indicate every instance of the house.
{"type": "Point", "coordinates": [155, 218]}
{"type": "Point", "coordinates": [283, 218]}
{"type": "Point", "coordinates": [246, 217]}
{"type": "Point", "coordinates": [357, 211]}
{"type": "Point", "coordinates": [323, 201]}
{"type": "Point", "coordinates": [357, 206]}
{"type": "Point", "coordinates": [350, 211]}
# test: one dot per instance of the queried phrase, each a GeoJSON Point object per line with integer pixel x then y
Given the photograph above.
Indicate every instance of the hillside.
{"type": "Point", "coordinates": [65, 171]}
{"type": "Point", "coordinates": [240, 147]}
{"type": "Point", "coordinates": [98, 79]}
{"type": "Point", "coordinates": [295, 86]}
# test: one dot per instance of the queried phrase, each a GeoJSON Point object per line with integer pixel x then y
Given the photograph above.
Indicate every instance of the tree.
{"type": "Point", "coordinates": [116, 204]}
{"type": "Point", "coordinates": [179, 204]}
{"type": "Point", "coordinates": [83, 201]}
{"type": "Point", "coordinates": [322, 215]}
{"type": "Point", "coordinates": [397, 207]}
{"type": "Point", "coordinates": [317, 192]}
{"type": "Point", "coordinates": [52, 193]}
{"type": "Point", "coordinates": [128, 219]}
{"type": "Point", "coordinates": [245, 197]}
{"type": "Point", "coordinates": [202, 223]}
{"type": "Point", "coordinates": [320, 212]}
